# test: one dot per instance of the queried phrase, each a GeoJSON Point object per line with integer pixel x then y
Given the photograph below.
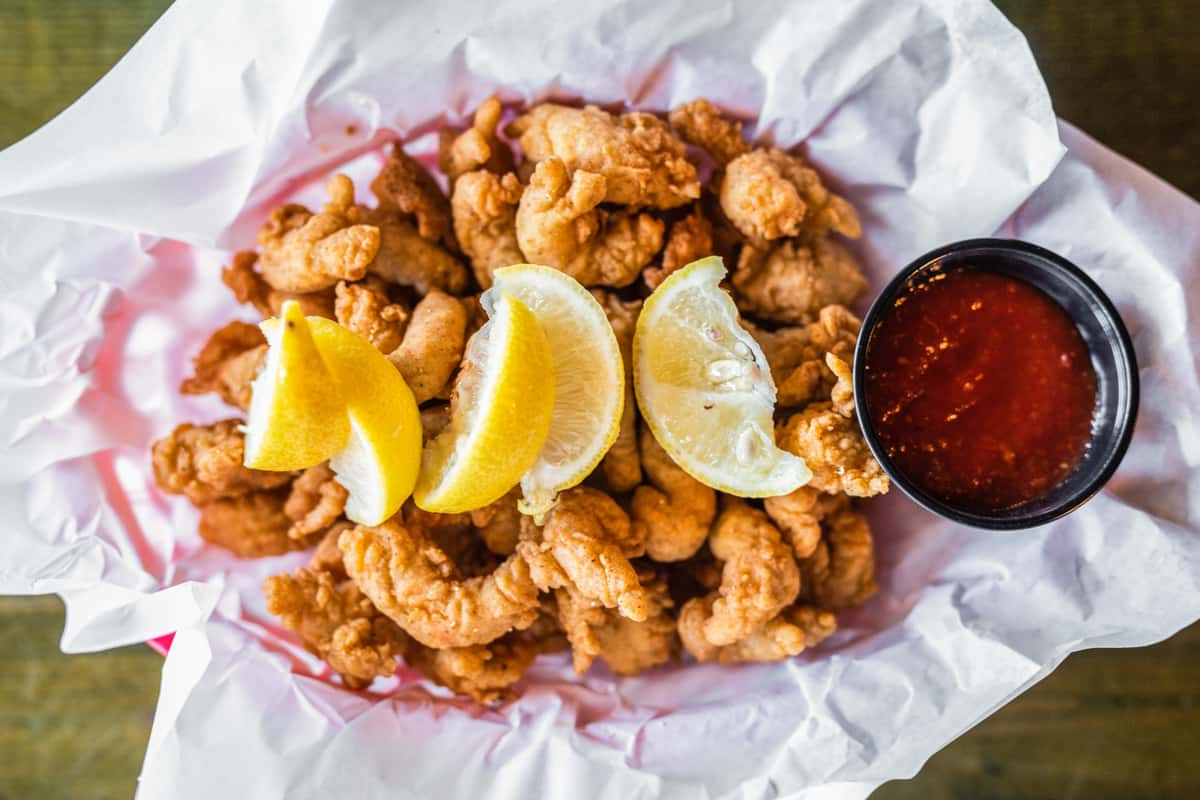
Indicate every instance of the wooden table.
{"type": "Point", "coordinates": [1108, 724]}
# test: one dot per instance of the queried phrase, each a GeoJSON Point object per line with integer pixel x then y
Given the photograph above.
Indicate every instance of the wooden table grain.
{"type": "Point", "coordinates": [1119, 724]}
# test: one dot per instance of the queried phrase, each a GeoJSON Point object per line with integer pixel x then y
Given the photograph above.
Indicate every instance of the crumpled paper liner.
{"type": "Point", "coordinates": [931, 116]}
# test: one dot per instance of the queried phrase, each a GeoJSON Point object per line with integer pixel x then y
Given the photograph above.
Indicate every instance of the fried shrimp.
{"type": "Point", "coordinates": [768, 194]}
{"type": "Point", "coordinates": [559, 225]}
{"type": "Point", "coordinates": [841, 571]}
{"type": "Point", "coordinates": [792, 280]}
{"type": "Point", "coordinates": [411, 580]}
{"type": "Point", "coordinates": [248, 286]}
{"type": "Point", "coordinates": [204, 462]}
{"type": "Point", "coordinates": [675, 509]}
{"type": "Point", "coordinates": [484, 208]}
{"type": "Point", "coordinates": [433, 345]}
{"type": "Point", "coordinates": [477, 147]}
{"type": "Point", "coordinates": [628, 647]}
{"type": "Point", "coordinates": [586, 545]}
{"type": "Point", "coordinates": [690, 239]}
{"type": "Point", "coordinates": [622, 464]}
{"type": "Point", "coordinates": [702, 124]}
{"type": "Point", "coordinates": [834, 449]}
{"type": "Point", "coordinates": [797, 355]}
{"type": "Point", "coordinates": [364, 308]}
{"type": "Point", "coordinates": [406, 187]}
{"type": "Point", "coordinates": [306, 252]}
{"type": "Point", "coordinates": [315, 501]}
{"type": "Point", "coordinates": [639, 157]}
{"type": "Point", "coordinates": [788, 634]}
{"type": "Point", "coordinates": [228, 364]}
{"type": "Point", "coordinates": [337, 623]}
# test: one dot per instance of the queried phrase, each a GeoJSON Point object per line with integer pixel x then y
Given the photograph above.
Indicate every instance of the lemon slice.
{"type": "Point", "coordinates": [499, 417]}
{"type": "Point", "coordinates": [589, 388]}
{"type": "Point", "coordinates": [705, 389]}
{"type": "Point", "coordinates": [379, 464]}
{"type": "Point", "coordinates": [297, 417]}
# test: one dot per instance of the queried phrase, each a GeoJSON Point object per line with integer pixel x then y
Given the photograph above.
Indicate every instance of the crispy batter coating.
{"type": "Point", "coordinates": [798, 517]}
{"type": "Point", "coordinates": [499, 525]}
{"type": "Point", "coordinates": [691, 238]}
{"type": "Point", "coordinates": [315, 502]}
{"type": "Point", "coordinates": [841, 571]}
{"type": "Point", "coordinates": [326, 556]}
{"type": "Point", "coordinates": [204, 462]}
{"type": "Point", "coordinates": [842, 393]}
{"type": "Point", "coordinates": [622, 465]}
{"type": "Point", "coordinates": [769, 194]}
{"type": "Point", "coordinates": [477, 147]}
{"type": "Point", "coordinates": [433, 345]}
{"type": "Point", "coordinates": [641, 160]}
{"type": "Point", "coordinates": [306, 252]}
{"type": "Point", "coordinates": [783, 636]}
{"type": "Point", "coordinates": [250, 525]}
{"type": "Point", "coordinates": [409, 259]}
{"type": "Point", "coordinates": [434, 419]}
{"type": "Point", "coordinates": [228, 363]}
{"type": "Point", "coordinates": [484, 207]}
{"type": "Point", "coordinates": [792, 280]}
{"type": "Point", "coordinates": [759, 577]}
{"type": "Point", "coordinates": [364, 308]}
{"type": "Point", "coordinates": [702, 124]}
{"type": "Point", "coordinates": [486, 673]}
{"type": "Point", "coordinates": [559, 225]}
{"type": "Point", "coordinates": [834, 449]}
{"type": "Point", "coordinates": [411, 580]}
{"type": "Point", "coordinates": [797, 354]}
{"type": "Point", "coordinates": [586, 545]}
{"type": "Point", "coordinates": [249, 287]}
{"type": "Point", "coordinates": [628, 647]}
{"type": "Point", "coordinates": [403, 185]}
{"type": "Point", "coordinates": [336, 622]}
{"type": "Point", "coordinates": [676, 509]}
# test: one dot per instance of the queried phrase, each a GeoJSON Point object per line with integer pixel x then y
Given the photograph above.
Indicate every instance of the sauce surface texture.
{"type": "Point", "coordinates": [980, 389]}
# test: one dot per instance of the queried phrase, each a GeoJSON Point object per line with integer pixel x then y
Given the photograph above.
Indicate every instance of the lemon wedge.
{"type": "Point", "coordinates": [705, 389]}
{"type": "Point", "coordinates": [589, 390]}
{"type": "Point", "coordinates": [500, 414]}
{"type": "Point", "coordinates": [297, 417]}
{"type": "Point", "coordinates": [379, 464]}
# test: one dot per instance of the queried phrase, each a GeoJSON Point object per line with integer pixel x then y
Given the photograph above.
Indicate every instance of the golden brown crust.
{"type": "Point", "coordinates": [702, 124]}
{"type": "Point", "coordinates": [228, 363]}
{"type": "Point", "coordinates": [834, 449]}
{"type": "Point", "coordinates": [797, 355]}
{"type": "Point", "coordinates": [433, 345]}
{"type": "Point", "coordinates": [250, 525]}
{"type": "Point", "coordinates": [622, 464]}
{"type": "Point", "coordinates": [690, 239]}
{"type": "Point", "coordinates": [478, 147]}
{"type": "Point", "coordinates": [315, 502]}
{"type": "Point", "coordinates": [792, 280]}
{"type": "Point", "coordinates": [406, 187]}
{"type": "Point", "coordinates": [484, 208]}
{"type": "Point", "coordinates": [364, 307]}
{"type": "Point", "coordinates": [675, 509]}
{"type": "Point", "coordinates": [204, 462]}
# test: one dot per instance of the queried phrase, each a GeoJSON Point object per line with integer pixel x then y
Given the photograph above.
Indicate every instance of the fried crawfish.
{"type": "Point", "coordinates": [841, 571]}
{"type": "Point", "coordinates": [315, 501]}
{"type": "Point", "coordinates": [792, 280]}
{"type": "Point", "coordinates": [702, 124]}
{"type": "Point", "coordinates": [691, 238]}
{"type": "Point", "coordinates": [628, 647]}
{"type": "Point", "coordinates": [404, 186]}
{"type": "Point", "coordinates": [477, 147]}
{"type": "Point", "coordinates": [484, 208]}
{"type": "Point", "coordinates": [433, 345]}
{"type": "Point", "coordinates": [786, 635]}
{"type": "Point", "coordinates": [250, 525]}
{"type": "Point", "coordinates": [834, 449]}
{"type": "Point", "coordinates": [797, 354]}
{"type": "Point", "coordinates": [364, 308]}
{"type": "Point", "coordinates": [248, 286]}
{"type": "Point", "coordinates": [622, 465]}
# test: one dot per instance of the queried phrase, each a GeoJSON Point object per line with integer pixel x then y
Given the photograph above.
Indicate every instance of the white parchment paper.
{"type": "Point", "coordinates": [929, 114]}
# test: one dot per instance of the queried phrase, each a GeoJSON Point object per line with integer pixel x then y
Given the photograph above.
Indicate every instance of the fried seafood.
{"type": "Point", "coordinates": [786, 635]}
{"type": "Point", "coordinates": [306, 252]}
{"type": "Point", "coordinates": [499, 525]}
{"type": "Point", "coordinates": [792, 280]}
{"type": "Point", "coordinates": [797, 355]}
{"type": "Point", "coordinates": [484, 208]}
{"type": "Point", "coordinates": [228, 363]}
{"type": "Point", "coordinates": [628, 647]}
{"type": "Point", "coordinates": [413, 582]}
{"type": "Point", "coordinates": [407, 258]}
{"type": "Point", "coordinates": [640, 159]}
{"type": "Point", "coordinates": [250, 525]}
{"type": "Point", "coordinates": [834, 449]}
{"type": "Point", "coordinates": [248, 286]}
{"type": "Point", "coordinates": [841, 571]}
{"type": "Point", "coordinates": [622, 465]}
{"type": "Point", "coordinates": [315, 501]}
{"type": "Point", "coordinates": [204, 462]}
{"type": "Point", "coordinates": [336, 622]}
{"type": "Point", "coordinates": [759, 576]}
{"type": "Point", "coordinates": [842, 393]}
{"type": "Point", "coordinates": [559, 225]}
{"type": "Point", "coordinates": [691, 238]}
{"type": "Point", "coordinates": [433, 345]}
{"type": "Point", "coordinates": [364, 308]}
{"type": "Point", "coordinates": [586, 545]}
{"type": "Point", "coordinates": [675, 509]}
{"type": "Point", "coordinates": [702, 124]}
{"type": "Point", "coordinates": [769, 194]}
{"type": "Point", "coordinates": [477, 147]}
{"type": "Point", "coordinates": [405, 187]}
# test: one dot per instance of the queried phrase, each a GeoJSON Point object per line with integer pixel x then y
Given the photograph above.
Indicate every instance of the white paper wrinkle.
{"type": "Point", "coordinates": [931, 116]}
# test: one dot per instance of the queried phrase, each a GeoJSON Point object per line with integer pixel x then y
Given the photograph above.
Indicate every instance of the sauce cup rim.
{"type": "Point", "coordinates": [1118, 339]}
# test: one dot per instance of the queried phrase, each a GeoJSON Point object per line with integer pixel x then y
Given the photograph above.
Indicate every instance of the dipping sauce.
{"type": "Point", "coordinates": [980, 389]}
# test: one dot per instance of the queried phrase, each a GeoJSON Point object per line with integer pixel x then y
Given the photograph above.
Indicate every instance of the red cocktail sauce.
{"type": "Point", "coordinates": [980, 389]}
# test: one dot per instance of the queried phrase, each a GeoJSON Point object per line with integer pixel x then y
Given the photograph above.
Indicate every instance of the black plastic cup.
{"type": "Point", "coordinates": [1103, 333]}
